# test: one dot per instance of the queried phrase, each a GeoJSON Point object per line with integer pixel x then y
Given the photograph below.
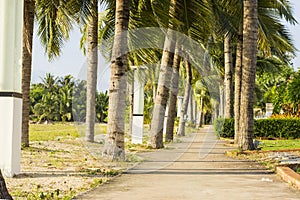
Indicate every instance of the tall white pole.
{"type": "Point", "coordinates": [165, 120]}
{"type": "Point", "coordinates": [179, 105]}
{"type": "Point", "coordinates": [11, 19]}
{"type": "Point", "coordinates": [138, 106]}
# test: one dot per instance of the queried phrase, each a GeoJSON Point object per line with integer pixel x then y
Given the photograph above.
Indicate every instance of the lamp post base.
{"type": "Point", "coordinates": [10, 134]}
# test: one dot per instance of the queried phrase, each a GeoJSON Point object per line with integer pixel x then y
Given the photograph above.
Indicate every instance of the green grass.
{"type": "Point", "coordinates": [57, 131]}
{"type": "Point", "coordinates": [279, 144]}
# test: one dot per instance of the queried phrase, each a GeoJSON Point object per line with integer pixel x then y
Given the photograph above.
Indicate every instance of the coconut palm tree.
{"type": "Point", "coordinates": [92, 71]}
{"type": "Point", "coordinates": [173, 97]}
{"type": "Point", "coordinates": [163, 88]}
{"type": "Point", "coordinates": [65, 92]}
{"type": "Point", "coordinates": [55, 20]}
{"type": "Point", "coordinates": [237, 84]}
{"type": "Point", "coordinates": [228, 81]}
{"type": "Point", "coordinates": [28, 21]}
{"type": "Point", "coordinates": [249, 55]}
{"type": "Point", "coordinates": [186, 17]}
{"type": "Point", "coordinates": [273, 39]}
{"type": "Point", "coordinates": [114, 146]}
{"type": "Point", "coordinates": [187, 92]}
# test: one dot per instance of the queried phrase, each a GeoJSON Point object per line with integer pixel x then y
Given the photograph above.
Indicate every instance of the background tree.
{"type": "Point", "coordinates": [102, 106]}
{"type": "Point", "coordinates": [65, 93]}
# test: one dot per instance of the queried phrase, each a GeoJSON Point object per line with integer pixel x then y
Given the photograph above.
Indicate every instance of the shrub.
{"type": "Point", "coordinates": [224, 127]}
{"type": "Point", "coordinates": [265, 128]}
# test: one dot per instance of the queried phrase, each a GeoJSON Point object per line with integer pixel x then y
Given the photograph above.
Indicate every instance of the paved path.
{"type": "Point", "coordinates": [185, 171]}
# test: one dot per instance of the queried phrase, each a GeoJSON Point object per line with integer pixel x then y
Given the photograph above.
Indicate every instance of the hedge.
{"type": "Point", "coordinates": [265, 128]}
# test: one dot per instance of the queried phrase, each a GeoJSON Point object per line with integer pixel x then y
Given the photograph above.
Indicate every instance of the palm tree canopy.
{"type": "Point", "coordinates": [55, 20]}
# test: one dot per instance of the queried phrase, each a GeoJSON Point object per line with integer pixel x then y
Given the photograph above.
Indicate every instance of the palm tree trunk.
{"type": "Point", "coordinates": [221, 104]}
{"type": "Point", "coordinates": [228, 77]}
{"type": "Point", "coordinates": [191, 108]}
{"type": "Point", "coordinates": [250, 32]}
{"type": "Point", "coordinates": [163, 87]}
{"type": "Point", "coordinates": [92, 72]}
{"type": "Point", "coordinates": [114, 146]}
{"type": "Point", "coordinates": [28, 23]}
{"type": "Point", "coordinates": [173, 98]}
{"type": "Point", "coordinates": [161, 99]}
{"type": "Point", "coordinates": [201, 113]}
{"type": "Point", "coordinates": [183, 112]}
{"type": "Point", "coordinates": [4, 194]}
{"type": "Point", "coordinates": [237, 88]}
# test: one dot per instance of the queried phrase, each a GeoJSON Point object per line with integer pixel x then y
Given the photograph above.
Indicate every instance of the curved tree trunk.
{"type": "Point", "coordinates": [3, 190]}
{"type": "Point", "coordinates": [183, 112]}
{"type": "Point", "coordinates": [163, 88]}
{"type": "Point", "coordinates": [228, 113]}
{"type": "Point", "coordinates": [92, 72]}
{"type": "Point", "coordinates": [28, 23]}
{"type": "Point", "coordinates": [173, 98]}
{"type": "Point", "coordinates": [250, 32]}
{"type": "Point", "coordinates": [114, 146]}
{"type": "Point", "coordinates": [161, 99]}
{"type": "Point", "coordinates": [237, 88]}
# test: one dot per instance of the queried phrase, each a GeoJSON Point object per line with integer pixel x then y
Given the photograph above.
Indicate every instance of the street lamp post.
{"type": "Point", "coordinates": [11, 19]}
{"type": "Point", "coordinates": [138, 105]}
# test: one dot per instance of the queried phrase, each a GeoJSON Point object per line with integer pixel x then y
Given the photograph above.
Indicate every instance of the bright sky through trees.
{"type": "Point", "coordinates": [72, 59]}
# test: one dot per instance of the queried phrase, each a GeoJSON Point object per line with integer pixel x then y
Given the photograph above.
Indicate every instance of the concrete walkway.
{"type": "Point", "coordinates": [196, 168]}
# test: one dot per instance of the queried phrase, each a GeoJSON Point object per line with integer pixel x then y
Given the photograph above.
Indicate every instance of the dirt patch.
{"type": "Point", "coordinates": [58, 170]}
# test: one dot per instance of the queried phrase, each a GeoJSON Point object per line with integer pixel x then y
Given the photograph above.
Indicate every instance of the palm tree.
{"type": "Point", "coordinates": [173, 97]}
{"type": "Point", "coordinates": [202, 98]}
{"type": "Point", "coordinates": [65, 92]}
{"type": "Point", "coordinates": [187, 92]}
{"type": "Point", "coordinates": [28, 21]}
{"type": "Point", "coordinates": [183, 16]}
{"type": "Point", "coordinates": [49, 106]}
{"type": "Point", "coordinates": [250, 33]}
{"type": "Point", "coordinates": [273, 40]}
{"type": "Point", "coordinates": [237, 84]}
{"type": "Point", "coordinates": [55, 20]}
{"type": "Point", "coordinates": [228, 81]}
{"type": "Point", "coordinates": [114, 146]}
{"type": "Point", "coordinates": [163, 88]}
{"type": "Point", "coordinates": [92, 71]}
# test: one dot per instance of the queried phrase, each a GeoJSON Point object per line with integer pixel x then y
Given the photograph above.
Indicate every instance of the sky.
{"type": "Point", "coordinates": [72, 61]}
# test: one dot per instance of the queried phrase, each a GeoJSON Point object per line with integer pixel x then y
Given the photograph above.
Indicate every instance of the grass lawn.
{"type": "Point", "coordinates": [57, 131]}
{"type": "Point", "coordinates": [280, 144]}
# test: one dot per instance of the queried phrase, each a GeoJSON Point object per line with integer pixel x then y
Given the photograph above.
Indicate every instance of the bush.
{"type": "Point", "coordinates": [265, 128]}
{"type": "Point", "coordinates": [224, 127]}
